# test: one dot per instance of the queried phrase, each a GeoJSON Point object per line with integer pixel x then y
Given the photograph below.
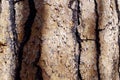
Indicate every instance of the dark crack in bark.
{"type": "Point", "coordinates": [79, 42]}
{"type": "Point", "coordinates": [12, 42]}
{"type": "Point", "coordinates": [38, 75]}
{"type": "Point", "coordinates": [97, 39]}
{"type": "Point", "coordinates": [118, 14]}
{"type": "Point", "coordinates": [74, 6]}
{"type": "Point", "coordinates": [26, 37]}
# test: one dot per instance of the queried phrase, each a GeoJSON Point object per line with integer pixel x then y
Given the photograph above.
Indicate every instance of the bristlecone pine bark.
{"type": "Point", "coordinates": [59, 39]}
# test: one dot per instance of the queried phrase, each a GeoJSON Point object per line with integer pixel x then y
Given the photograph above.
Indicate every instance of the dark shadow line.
{"type": "Point", "coordinates": [39, 70]}
{"type": "Point", "coordinates": [14, 42]}
{"type": "Point", "coordinates": [26, 37]}
{"type": "Point", "coordinates": [75, 17]}
{"type": "Point", "coordinates": [97, 39]}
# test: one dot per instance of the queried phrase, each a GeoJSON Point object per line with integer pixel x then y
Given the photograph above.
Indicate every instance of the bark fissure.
{"type": "Point", "coordinates": [76, 12]}
{"type": "Point", "coordinates": [38, 75]}
{"type": "Point", "coordinates": [79, 42]}
{"type": "Point", "coordinates": [97, 39]}
{"type": "Point", "coordinates": [118, 15]}
{"type": "Point", "coordinates": [27, 34]}
{"type": "Point", "coordinates": [82, 42]}
{"type": "Point", "coordinates": [13, 27]}
{"type": "Point", "coordinates": [13, 42]}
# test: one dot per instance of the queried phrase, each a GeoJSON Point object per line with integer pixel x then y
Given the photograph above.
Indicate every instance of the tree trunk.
{"type": "Point", "coordinates": [59, 39]}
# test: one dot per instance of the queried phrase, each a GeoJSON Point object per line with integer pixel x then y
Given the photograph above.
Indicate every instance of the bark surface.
{"type": "Point", "coordinates": [59, 39]}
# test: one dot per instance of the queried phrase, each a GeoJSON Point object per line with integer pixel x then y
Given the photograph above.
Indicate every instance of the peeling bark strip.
{"type": "Point", "coordinates": [108, 24]}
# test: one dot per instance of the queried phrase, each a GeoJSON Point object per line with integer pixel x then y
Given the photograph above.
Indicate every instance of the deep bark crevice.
{"type": "Point", "coordinates": [75, 16]}
{"type": "Point", "coordinates": [79, 42]}
{"type": "Point", "coordinates": [26, 37]}
{"type": "Point", "coordinates": [97, 38]}
{"type": "Point", "coordinates": [118, 15]}
{"type": "Point", "coordinates": [38, 75]}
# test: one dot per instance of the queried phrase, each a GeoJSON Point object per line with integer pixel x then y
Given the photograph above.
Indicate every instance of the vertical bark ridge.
{"type": "Point", "coordinates": [108, 35]}
{"type": "Point", "coordinates": [8, 40]}
{"type": "Point", "coordinates": [59, 61]}
{"type": "Point", "coordinates": [87, 33]}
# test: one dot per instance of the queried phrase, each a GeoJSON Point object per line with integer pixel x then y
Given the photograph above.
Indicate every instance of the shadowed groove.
{"type": "Point", "coordinates": [26, 37]}
{"type": "Point", "coordinates": [75, 17]}
{"type": "Point", "coordinates": [97, 39]}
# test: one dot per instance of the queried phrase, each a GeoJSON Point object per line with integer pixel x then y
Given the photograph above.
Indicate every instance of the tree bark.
{"type": "Point", "coordinates": [59, 39]}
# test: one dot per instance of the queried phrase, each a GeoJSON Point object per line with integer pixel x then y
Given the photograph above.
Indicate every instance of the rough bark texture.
{"type": "Point", "coordinates": [8, 42]}
{"type": "Point", "coordinates": [87, 31]}
{"type": "Point", "coordinates": [108, 26]}
{"type": "Point", "coordinates": [59, 39]}
{"type": "Point", "coordinates": [59, 50]}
